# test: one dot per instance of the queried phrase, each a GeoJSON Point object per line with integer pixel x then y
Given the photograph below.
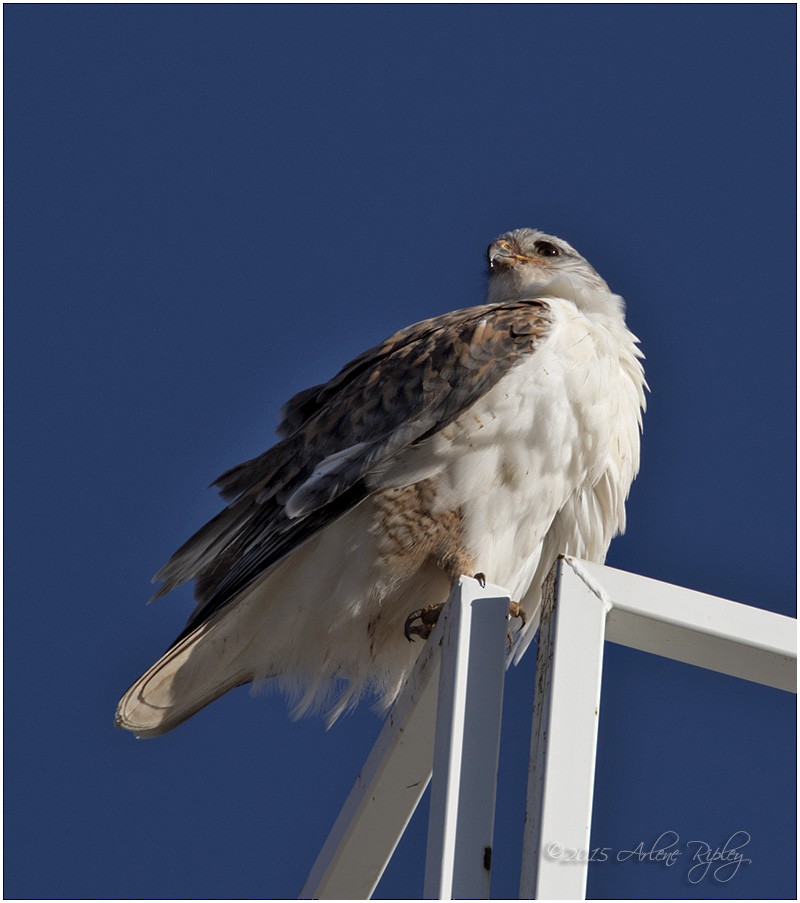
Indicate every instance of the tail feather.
{"type": "Point", "coordinates": [193, 673]}
{"type": "Point", "coordinates": [299, 622]}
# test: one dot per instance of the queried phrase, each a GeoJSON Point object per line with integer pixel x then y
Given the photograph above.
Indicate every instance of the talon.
{"type": "Point", "coordinates": [408, 628]}
{"type": "Point", "coordinates": [515, 610]}
{"type": "Point", "coordinates": [480, 577]}
{"type": "Point", "coordinates": [427, 617]}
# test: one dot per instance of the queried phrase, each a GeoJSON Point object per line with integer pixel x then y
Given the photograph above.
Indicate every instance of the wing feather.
{"type": "Point", "coordinates": [389, 398]}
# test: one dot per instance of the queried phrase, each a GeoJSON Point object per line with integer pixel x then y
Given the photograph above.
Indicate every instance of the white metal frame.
{"type": "Point", "coordinates": [463, 668]}
{"type": "Point", "coordinates": [447, 719]}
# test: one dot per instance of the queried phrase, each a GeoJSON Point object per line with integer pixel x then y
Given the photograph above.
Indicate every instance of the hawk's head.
{"type": "Point", "coordinates": [529, 262]}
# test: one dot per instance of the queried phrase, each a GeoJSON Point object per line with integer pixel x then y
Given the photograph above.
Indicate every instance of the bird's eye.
{"type": "Point", "coordinates": [546, 249]}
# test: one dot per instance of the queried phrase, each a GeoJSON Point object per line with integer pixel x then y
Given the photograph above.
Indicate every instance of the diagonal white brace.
{"type": "Point", "coordinates": [467, 748]}
{"type": "Point", "coordinates": [386, 792]}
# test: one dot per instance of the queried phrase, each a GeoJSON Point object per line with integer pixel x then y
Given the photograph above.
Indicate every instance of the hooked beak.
{"type": "Point", "coordinates": [503, 253]}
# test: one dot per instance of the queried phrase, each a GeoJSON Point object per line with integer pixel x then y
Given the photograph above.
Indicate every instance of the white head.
{"type": "Point", "coordinates": [530, 263]}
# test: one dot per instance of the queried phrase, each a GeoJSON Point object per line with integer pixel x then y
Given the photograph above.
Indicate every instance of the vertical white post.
{"type": "Point", "coordinates": [564, 739]}
{"type": "Point", "coordinates": [467, 745]}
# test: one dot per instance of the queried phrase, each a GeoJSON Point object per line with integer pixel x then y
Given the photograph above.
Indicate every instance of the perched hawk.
{"type": "Point", "coordinates": [488, 440]}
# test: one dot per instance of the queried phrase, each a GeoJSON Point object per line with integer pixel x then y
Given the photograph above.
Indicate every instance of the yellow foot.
{"type": "Point", "coordinates": [515, 610]}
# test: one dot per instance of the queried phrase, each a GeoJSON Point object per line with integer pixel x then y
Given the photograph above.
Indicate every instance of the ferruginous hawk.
{"type": "Point", "coordinates": [490, 439]}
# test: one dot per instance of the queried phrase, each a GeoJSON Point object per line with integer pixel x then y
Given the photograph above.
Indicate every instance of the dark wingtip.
{"type": "Point", "coordinates": [226, 485]}
{"type": "Point", "coordinates": [161, 591]}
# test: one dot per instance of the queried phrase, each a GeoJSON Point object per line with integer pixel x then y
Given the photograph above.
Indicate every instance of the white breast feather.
{"type": "Point", "coordinates": [540, 465]}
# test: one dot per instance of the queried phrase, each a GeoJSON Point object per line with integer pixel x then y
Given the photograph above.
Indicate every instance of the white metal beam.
{"type": "Point", "coordinates": [692, 627]}
{"type": "Point", "coordinates": [566, 710]}
{"type": "Point", "coordinates": [467, 747]}
{"type": "Point", "coordinates": [386, 792]}
{"type": "Point", "coordinates": [584, 605]}
{"type": "Point", "coordinates": [470, 638]}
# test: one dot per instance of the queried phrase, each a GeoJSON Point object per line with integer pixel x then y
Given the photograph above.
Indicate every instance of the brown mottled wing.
{"type": "Point", "coordinates": [389, 398]}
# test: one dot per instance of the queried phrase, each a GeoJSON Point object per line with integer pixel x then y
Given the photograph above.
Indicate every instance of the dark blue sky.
{"type": "Point", "coordinates": [208, 208]}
